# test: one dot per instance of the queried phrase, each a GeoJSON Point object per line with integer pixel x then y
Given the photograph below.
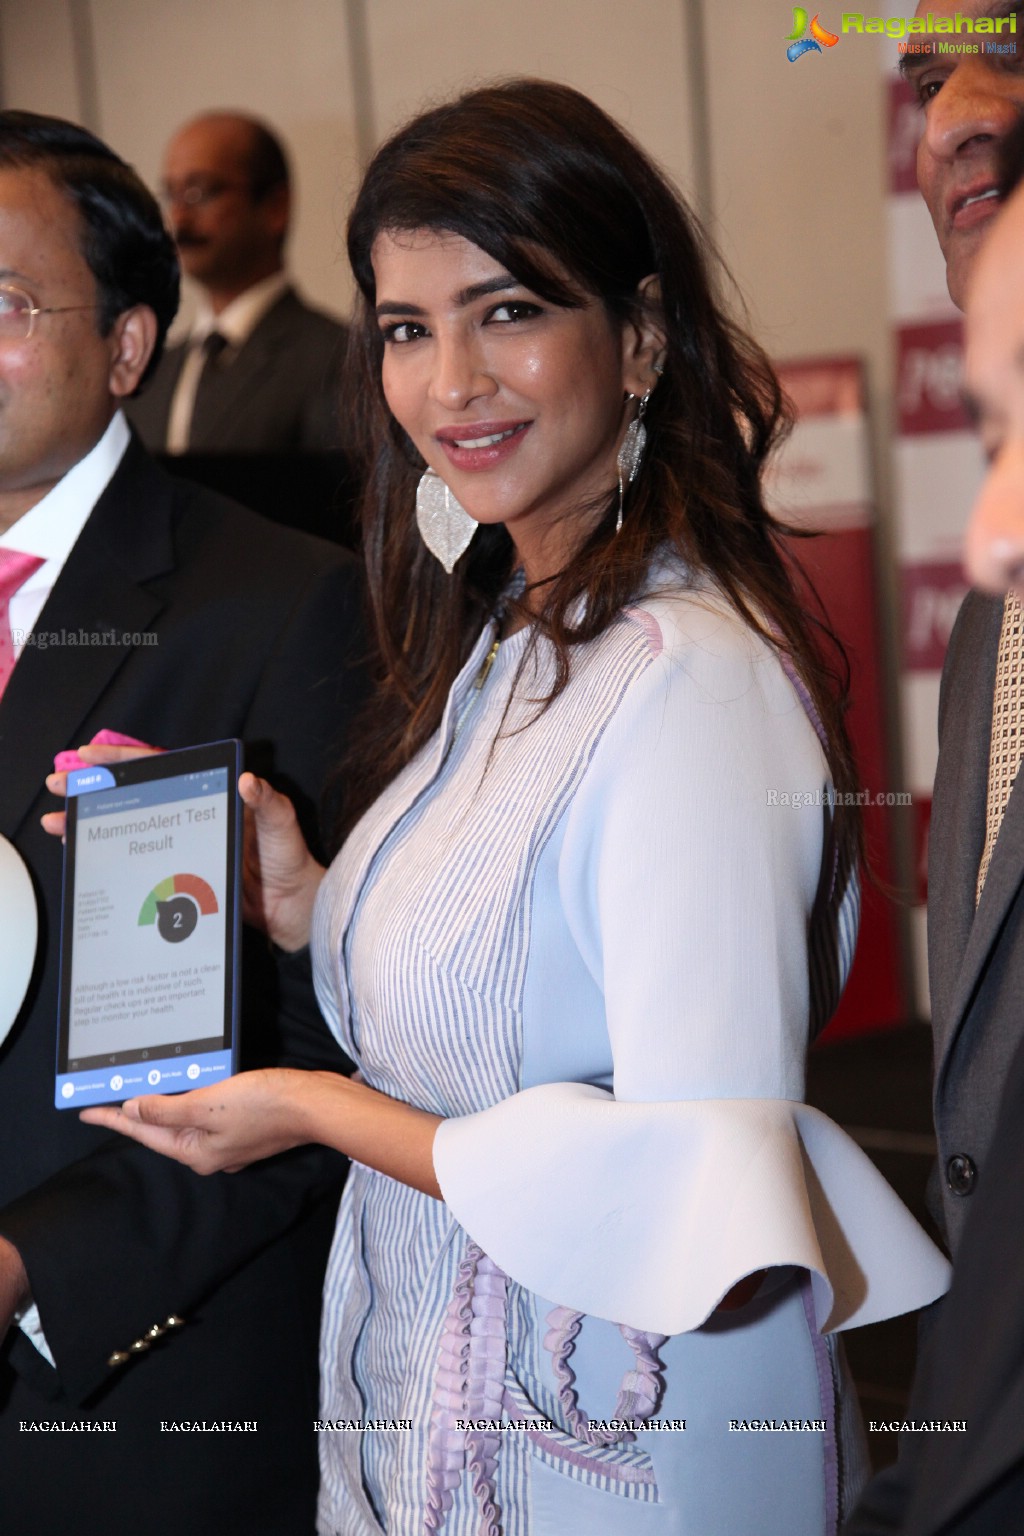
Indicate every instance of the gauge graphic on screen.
{"type": "Point", "coordinates": [176, 904]}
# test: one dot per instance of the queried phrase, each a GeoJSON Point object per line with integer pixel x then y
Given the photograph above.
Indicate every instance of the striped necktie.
{"type": "Point", "coordinates": [1007, 745]}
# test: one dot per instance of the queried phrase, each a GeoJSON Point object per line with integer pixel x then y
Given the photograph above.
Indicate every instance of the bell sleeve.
{"type": "Point", "coordinates": [690, 869]}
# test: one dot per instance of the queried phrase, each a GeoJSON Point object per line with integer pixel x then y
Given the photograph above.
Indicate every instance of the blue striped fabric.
{"type": "Point", "coordinates": [422, 942]}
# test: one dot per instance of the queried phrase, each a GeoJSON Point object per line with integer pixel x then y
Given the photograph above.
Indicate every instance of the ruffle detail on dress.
{"type": "Point", "coordinates": [647, 1214]}
{"type": "Point", "coordinates": [470, 1390]}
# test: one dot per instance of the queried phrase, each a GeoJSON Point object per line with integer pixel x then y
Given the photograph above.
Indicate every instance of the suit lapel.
{"type": "Point", "coordinates": [236, 383]}
{"type": "Point", "coordinates": [957, 832]}
{"type": "Point", "coordinates": [98, 602]}
{"type": "Point", "coordinates": [1002, 883]}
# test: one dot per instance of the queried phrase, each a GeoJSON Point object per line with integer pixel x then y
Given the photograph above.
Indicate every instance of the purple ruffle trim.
{"type": "Point", "coordinates": [638, 1393]}
{"type": "Point", "coordinates": [470, 1384]}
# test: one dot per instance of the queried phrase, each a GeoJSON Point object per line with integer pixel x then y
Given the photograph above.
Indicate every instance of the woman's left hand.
{"type": "Point", "coordinates": [218, 1129]}
{"type": "Point", "coordinates": [227, 1126]}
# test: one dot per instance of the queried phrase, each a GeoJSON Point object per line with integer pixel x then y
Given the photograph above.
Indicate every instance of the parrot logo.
{"type": "Point", "coordinates": [799, 44]}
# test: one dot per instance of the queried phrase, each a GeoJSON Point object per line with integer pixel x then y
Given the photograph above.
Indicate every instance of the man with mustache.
{"type": "Point", "coordinates": [259, 371]}
{"type": "Point", "coordinates": [969, 1481]}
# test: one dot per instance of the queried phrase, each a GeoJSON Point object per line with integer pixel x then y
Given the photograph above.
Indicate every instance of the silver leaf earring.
{"type": "Point", "coordinates": [632, 451]}
{"type": "Point", "coordinates": [445, 526]}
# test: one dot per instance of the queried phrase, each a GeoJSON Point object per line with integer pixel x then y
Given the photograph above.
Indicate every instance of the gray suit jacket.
{"type": "Point", "coordinates": [976, 959]}
{"type": "Point", "coordinates": [971, 1364]}
{"type": "Point", "coordinates": [279, 394]}
{"type": "Point", "coordinates": [971, 1369]}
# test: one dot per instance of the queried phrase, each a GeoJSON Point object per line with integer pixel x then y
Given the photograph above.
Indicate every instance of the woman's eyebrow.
{"type": "Point", "coordinates": [480, 290]}
{"type": "Point", "coordinates": [464, 296]}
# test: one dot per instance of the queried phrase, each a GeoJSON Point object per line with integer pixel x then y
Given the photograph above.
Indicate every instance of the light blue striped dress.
{"type": "Point", "coordinates": [595, 943]}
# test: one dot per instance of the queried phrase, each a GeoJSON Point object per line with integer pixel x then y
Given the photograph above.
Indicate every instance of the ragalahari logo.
{"type": "Point", "coordinates": [799, 44]}
{"type": "Point", "coordinates": [983, 33]}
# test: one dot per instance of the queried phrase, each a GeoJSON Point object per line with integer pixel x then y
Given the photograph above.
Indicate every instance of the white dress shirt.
{"type": "Point", "coordinates": [50, 528]}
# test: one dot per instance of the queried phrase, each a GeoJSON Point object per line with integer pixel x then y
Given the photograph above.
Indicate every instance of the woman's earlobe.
{"type": "Point", "coordinates": [649, 345]}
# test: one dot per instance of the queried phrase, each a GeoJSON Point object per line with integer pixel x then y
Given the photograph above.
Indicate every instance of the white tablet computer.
{"type": "Point", "coordinates": [150, 926]}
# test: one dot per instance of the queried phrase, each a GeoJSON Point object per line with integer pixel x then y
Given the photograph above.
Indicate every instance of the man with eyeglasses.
{"type": "Point", "coordinates": [158, 1332]}
{"type": "Point", "coordinates": [259, 372]}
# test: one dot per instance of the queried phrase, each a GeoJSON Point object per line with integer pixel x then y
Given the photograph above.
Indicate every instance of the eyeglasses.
{"type": "Point", "coordinates": [18, 313]}
{"type": "Point", "coordinates": [196, 194]}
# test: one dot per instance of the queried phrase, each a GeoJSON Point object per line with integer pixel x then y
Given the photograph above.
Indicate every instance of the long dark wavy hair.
{"type": "Point", "coordinates": [541, 179]}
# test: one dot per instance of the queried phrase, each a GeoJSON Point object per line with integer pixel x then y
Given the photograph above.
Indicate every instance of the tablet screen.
{"type": "Point", "coordinates": [149, 927]}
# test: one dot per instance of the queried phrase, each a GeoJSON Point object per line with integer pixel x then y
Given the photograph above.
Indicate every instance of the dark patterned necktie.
{"type": "Point", "coordinates": [213, 349]}
{"type": "Point", "coordinates": [1006, 748]}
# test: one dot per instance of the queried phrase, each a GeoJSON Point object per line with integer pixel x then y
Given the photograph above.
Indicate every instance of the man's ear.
{"type": "Point", "coordinates": [644, 341]}
{"type": "Point", "coordinates": [132, 341]}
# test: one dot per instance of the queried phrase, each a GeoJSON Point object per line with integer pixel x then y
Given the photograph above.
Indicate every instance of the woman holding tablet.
{"type": "Point", "coordinates": [574, 943]}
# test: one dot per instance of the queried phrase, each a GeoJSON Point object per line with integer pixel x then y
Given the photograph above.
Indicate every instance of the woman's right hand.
{"type": "Point", "coordinates": [280, 877]}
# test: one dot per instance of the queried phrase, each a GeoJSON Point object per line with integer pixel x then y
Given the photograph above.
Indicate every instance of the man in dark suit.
{"type": "Point", "coordinates": [181, 1311]}
{"type": "Point", "coordinates": [972, 103]}
{"type": "Point", "coordinates": [961, 1469]}
{"type": "Point", "coordinates": [975, 905]}
{"type": "Point", "coordinates": [961, 1466]}
{"type": "Point", "coordinates": [259, 372]}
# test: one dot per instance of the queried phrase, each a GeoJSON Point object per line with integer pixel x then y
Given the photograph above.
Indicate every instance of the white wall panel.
{"type": "Point", "coordinates": [37, 65]}
{"type": "Point", "coordinates": [629, 57]}
{"type": "Point", "coordinates": [938, 479]}
{"type": "Point", "coordinates": [797, 163]}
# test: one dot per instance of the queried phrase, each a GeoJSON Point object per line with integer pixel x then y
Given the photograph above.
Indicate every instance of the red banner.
{"type": "Point", "coordinates": [929, 378]}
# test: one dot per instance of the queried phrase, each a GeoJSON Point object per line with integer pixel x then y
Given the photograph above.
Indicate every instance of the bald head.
{"type": "Point", "coordinates": [226, 186]}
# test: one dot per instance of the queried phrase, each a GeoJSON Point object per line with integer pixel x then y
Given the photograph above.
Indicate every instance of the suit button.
{"type": "Point", "coordinates": [961, 1174]}
{"type": "Point", "coordinates": [139, 1347]}
{"type": "Point", "coordinates": [119, 1357]}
